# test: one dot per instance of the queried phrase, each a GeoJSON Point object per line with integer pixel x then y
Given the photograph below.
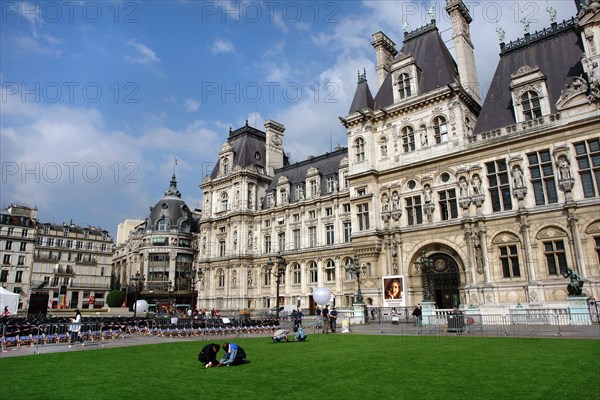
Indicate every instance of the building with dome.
{"type": "Point", "coordinates": [465, 201]}
{"type": "Point", "coordinates": [161, 249]}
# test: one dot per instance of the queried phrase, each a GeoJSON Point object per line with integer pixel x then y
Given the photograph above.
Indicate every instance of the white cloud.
{"type": "Point", "coordinates": [143, 54]}
{"type": "Point", "coordinates": [222, 46]}
{"type": "Point", "coordinates": [191, 105]}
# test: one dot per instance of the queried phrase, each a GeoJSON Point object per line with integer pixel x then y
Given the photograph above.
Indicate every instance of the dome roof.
{"type": "Point", "coordinates": [171, 212]}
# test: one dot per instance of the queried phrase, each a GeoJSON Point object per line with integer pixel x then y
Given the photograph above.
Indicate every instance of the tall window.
{"type": "Point", "coordinates": [363, 217]}
{"type": "Point", "coordinates": [296, 238]}
{"type": "Point", "coordinates": [267, 244]}
{"type": "Point", "coordinates": [4, 275]}
{"type": "Point", "coordinates": [225, 166]}
{"type": "Point", "coordinates": [408, 139]}
{"type": "Point", "coordinates": [23, 246]}
{"type": "Point", "coordinates": [224, 201]}
{"type": "Point", "coordinates": [542, 177]}
{"type": "Point", "coordinates": [298, 191]}
{"type": "Point", "coordinates": [530, 101]}
{"type": "Point", "coordinates": [266, 277]}
{"type": "Point", "coordinates": [404, 86]}
{"type": "Point", "coordinates": [448, 204]}
{"type": "Point", "coordinates": [312, 272]}
{"type": "Point", "coordinates": [296, 274]}
{"type": "Point", "coordinates": [347, 232]}
{"type": "Point", "coordinates": [414, 211]}
{"type": "Point", "coordinates": [21, 260]}
{"type": "Point", "coordinates": [330, 184]}
{"type": "Point", "coordinates": [359, 148]}
{"type": "Point", "coordinates": [597, 245]}
{"type": "Point", "coordinates": [440, 129]}
{"type": "Point", "coordinates": [8, 245]}
{"type": "Point", "coordinates": [11, 231]}
{"type": "Point", "coordinates": [329, 234]}
{"type": "Point", "coordinates": [556, 258]}
{"type": "Point", "coordinates": [221, 278]}
{"type": "Point", "coordinates": [313, 187]}
{"type": "Point", "coordinates": [19, 277]}
{"type": "Point", "coordinates": [312, 236]}
{"type": "Point", "coordinates": [509, 259]}
{"type": "Point", "coordinates": [330, 271]}
{"type": "Point", "coordinates": [221, 248]}
{"type": "Point", "coordinates": [281, 241]}
{"type": "Point", "coordinates": [497, 175]}
{"type": "Point", "coordinates": [588, 160]}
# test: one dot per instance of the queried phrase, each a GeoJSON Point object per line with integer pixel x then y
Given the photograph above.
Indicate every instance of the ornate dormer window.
{"type": "Point", "coordinates": [161, 226]}
{"type": "Point", "coordinates": [440, 130]}
{"type": "Point", "coordinates": [185, 227]}
{"type": "Point", "coordinates": [405, 75]}
{"type": "Point", "coordinates": [408, 139]}
{"type": "Point", "coordinates": [359, 149]}
{"type": "Point", "coordinates": [225, 162]}
{"type": "Point", "coordinates": [529, 94]}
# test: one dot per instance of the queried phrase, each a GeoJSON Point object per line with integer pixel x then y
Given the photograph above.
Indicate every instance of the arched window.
{"type": "Point", "coordinates": [162, 225]}
{"type": "Point", "coordinates": [312, 272]}
{"type": "Point", "coordinates": [440, 129]}
{"type": "Point", "coordinates": [185, 227]}
{"type": "Point", "coordinates": [348, 276]}
{"type": "Point", "coordinates": [359, 147]}
{"type": "Point", "coordinates": [221, 278]}
{"type": "Point", "coordinates": [330, 271]}
{"type": "Point", "coordinates": [296, 274]}
{"type": "Point", "coordinates": [530, 101]}
{"type": "Point", "coordinates": [225, 165]}
{"type": "Point", "coordinates": [408, 139]}
{"type": "Point", "coordinates": [404, 86]}
{"type": "Point", "coordinates": [383, 146]}
{"type": "Point", "coordinates": [224, 201]}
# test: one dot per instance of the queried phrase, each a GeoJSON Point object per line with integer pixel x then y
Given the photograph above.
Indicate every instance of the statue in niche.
{"type": "Point", "coordinates": [386, 203]}
{"type": "Point", "coordinates": [563, 168]}
{"type": "Point", "coordinates": [384, 149]}
{"type": "Point", "coordinates": [517, 177]}
{"type": "Point", "coordinates": [250, 280]}
{"type": "Point", "coordinates": [477, 250]}
{"type": "Point", "coordinates": [234, 278]}
{"type": "Point", "coordinates": [464, 188]}
{"type": "Point", "coordinates": [427, 195]}
{"type": "Point", "coordinates": [395, 201]}
{"type": "Point", "coordinates": [476, 184]}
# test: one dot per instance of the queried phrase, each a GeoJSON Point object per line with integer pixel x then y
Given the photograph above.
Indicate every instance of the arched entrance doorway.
{"type": "Point", "coordinates": [443, 280]}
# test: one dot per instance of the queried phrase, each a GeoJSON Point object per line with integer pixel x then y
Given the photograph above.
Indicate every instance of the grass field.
{"type": "Point", "coordinates": [325, 367]}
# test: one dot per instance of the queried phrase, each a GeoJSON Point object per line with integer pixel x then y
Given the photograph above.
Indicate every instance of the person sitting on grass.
{"type": "Point", "coordinates": [234, 355]}
{"type": "Point", "coordinates": [300, 335]}
{"type": "Point", "coordinates": [208, 355]}
{"type": "Point", "coordinates": [280, 335]}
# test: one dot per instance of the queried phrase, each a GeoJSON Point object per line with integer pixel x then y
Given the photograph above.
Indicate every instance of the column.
{"type": "Point", "coordinates": [484, 251]}
{"type": "Point", "coordinates": [388, 255]}
{"type": "Point", "coordinates": [573, 220]}
{"type": "Point", "coordinates": [530, 260]}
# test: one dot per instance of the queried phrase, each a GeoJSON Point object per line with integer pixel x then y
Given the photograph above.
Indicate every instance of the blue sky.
{"type": "Point", "coordinates": [100, 97]}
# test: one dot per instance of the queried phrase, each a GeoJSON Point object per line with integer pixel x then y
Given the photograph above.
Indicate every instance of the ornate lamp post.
{"type": "Point", "coordinates": [354, 268]}
{"type": "Point", "coordinates": [137, 282]}
{"type": "Point", "coordinates": [278, 274]}
{"type": "Point", "coordinates": [195, 277]}
{"type": "Point", "coordinates": [425, 265]}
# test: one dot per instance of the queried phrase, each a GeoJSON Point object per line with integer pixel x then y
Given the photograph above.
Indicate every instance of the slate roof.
{"type": "Point", "coordinates": [172, 208]}
{"type": "Point", "coordinates": [432, 57]}
{"type": "Point", "coordinates": [557, 53]}
{"type": "Point", "coordinates": [362, 97]}
{"type": "Point", "coordinates": [245, 142]}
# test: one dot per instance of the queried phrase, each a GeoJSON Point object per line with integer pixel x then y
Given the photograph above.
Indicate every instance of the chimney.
{"type": "Point", "coordinates": [385, 51]}
{"type": "Point", "coordinates": [463, 47]}
{"type": "Point", "coordinates": [274, 146]}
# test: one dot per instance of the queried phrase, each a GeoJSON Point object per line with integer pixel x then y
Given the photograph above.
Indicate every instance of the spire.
{"type": "Point", "coordinates": [172, 190]}
{"type": "Point", "coordinates": [362, 96]}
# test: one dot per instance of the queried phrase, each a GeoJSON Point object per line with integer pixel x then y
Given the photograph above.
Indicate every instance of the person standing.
{"type": "Point", "coordinates": [319, 318]}
{"type": "Point", "coordinates": [299, 315]}
{"type": "Point", "coordinates": [418, 314]}
{"type": "Point", "coordinates": [234, 355]}
{"type": "Point", "coordinates": [75, 327]}
{"type": "Point", "coordinates": [333, 319]}
{"type": "Point", "coordinates": [326, 318]}
{"type": "Point", "coordinates": [208, 355]}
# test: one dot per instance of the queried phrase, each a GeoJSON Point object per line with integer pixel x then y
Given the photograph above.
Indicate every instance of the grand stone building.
{"type": "Point", "coordinates": [470, 202]}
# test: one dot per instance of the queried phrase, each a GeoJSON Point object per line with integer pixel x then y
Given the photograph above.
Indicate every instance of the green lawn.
{"type": "Point", "coordinates": [325, 367]}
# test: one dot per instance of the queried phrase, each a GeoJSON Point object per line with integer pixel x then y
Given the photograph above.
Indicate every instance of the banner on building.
{"type": "Point", "coordinates": [394, 290]}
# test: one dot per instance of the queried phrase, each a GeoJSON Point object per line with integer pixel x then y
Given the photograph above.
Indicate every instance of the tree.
{"type": "Point", "coordinates": [115, 298]}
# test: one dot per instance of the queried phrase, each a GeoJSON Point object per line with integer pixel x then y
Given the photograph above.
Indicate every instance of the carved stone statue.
{"type": "Point", "coordinates": [476, 184]}
{"type": "Point", "coordinates": [517, 176]}
{"type": "Point", "coordinates": [563, 168]}
{"type": "Point", "coordinates": [575, 287]}
{"type": "Point", "coordinates": [464, 188]}
{"type": "Point", "coordinates": [427, 194]}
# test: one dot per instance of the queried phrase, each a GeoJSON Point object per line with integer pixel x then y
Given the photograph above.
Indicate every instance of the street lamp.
{"type": "Point", "coordinates": [137, 281]}
{"type": "Point", "coordinates": [281, 265]}
{"type": "Point", "coordinates": [195, 277]}
{"type": "Point", "coordinates": [425, 264]}
{"type": "Point", "coordinates": [354, 268]}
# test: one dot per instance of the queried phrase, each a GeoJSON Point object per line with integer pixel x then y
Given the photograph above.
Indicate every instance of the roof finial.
{"type": "Point", "coordinates": [431, 12]}
{"type": "Point", "coordinates": [552, 11]}
{"type": "Point", "coordinates": [526, 24]}
{"type": "Point", "coordinates": [405, 24]}
{"type": "Point", "coordinates": [174, 166]}
{"type": "Point", "coordinates": [363, 77]}
{"type": "Point", "coordinates": [246, 121]}
{"type": "Point", "coordinates": [501, 34]}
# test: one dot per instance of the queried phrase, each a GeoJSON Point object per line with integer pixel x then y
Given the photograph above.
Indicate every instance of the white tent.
{"type": "Point", "coordinates": [8, 299]}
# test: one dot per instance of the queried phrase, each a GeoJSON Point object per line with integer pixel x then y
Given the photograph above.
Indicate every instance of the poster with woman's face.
{"type": "Point", "coordinates": [393, 291]}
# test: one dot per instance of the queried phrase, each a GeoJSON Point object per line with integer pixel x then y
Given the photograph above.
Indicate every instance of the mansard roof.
{"type": "Point", "coordinates": [327, 164]}
{"type": "Point", "coordinates": [171, 208]}
{"type": "Point", "coordinates": [432, 57]}
{"type": "Point", "coordinates": [556, 51]}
